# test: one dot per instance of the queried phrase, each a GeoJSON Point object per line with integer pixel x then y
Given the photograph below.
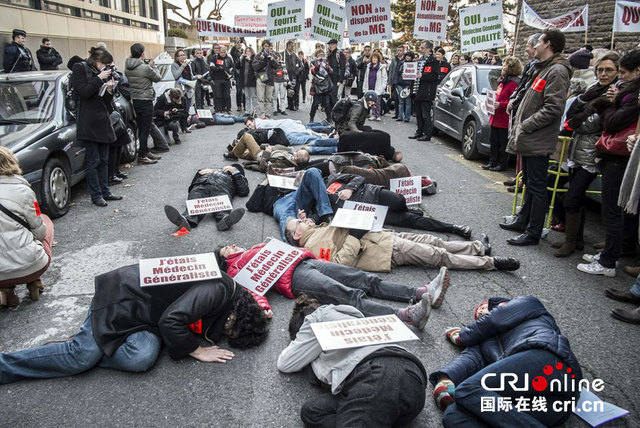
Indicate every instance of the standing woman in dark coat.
{"type": "Point", "coordinates": [94, 85]}
{"type": "Point", "coordinates": [247, 75]}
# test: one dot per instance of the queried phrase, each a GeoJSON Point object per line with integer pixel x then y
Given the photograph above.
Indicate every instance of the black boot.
{"type": "Point", "coordinates": [461, 230]}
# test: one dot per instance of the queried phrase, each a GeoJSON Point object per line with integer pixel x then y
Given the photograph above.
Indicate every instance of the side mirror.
{"type": "Point", "coordinates": [458, 93]}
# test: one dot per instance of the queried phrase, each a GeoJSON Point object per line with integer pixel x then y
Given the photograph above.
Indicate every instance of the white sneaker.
{"type": "Point", "coordinates": [591, 257]}
{"type": "Point", "coordinates": [437, 288]}
{"type": "Point", "coordinates": [596, 268]}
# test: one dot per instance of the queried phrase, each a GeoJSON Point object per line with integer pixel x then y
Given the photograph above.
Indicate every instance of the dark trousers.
{"type": "Point", "coordinates": [174, 127]}
{"type": "Point", "coordinates": [394, 97]}
{"type": "Point", "coordinates": [579, 181]}
{"type": "Point", "coordinates": [199, 96]}
{"type": "Point", "coordinates": [144, 117]}
{"type": "Point", "coordinates": [336, 284]}
{"type": "Point", "coordinates": [222, 95]}
{"type": "Point", "coordinates": [115, 153]}
{"type": "Point", "coordinates": [334, 94]}
{"type": "Point", "coordinates": [536, 203]}
{"type": "Point", "coordinates": [199, 192]}
{"type": "Point", "coordinates": [423, 117]}
{"type": "Point", "coordinates": [294, 101]}
{"type": "Point", "coordinates": [303, 87]}
{"type": "Point", "coordinates": [498, 138]}
{"type": "Point", "coordinates": [360, 92]}
{"type": "Point", "coordinates": [239, 97]}
{"type": "Point", "coordinates": [97, 161]}
{"type": "Point", "coordinates": [325, 99]}
{"type": "Point", "coordinates": [612, 215]}
{"type": "Point", "coordinates": [382, 391]}
{"type": "Point", "coordinates": [466, 411]}
{"type": "Point", "coordinates": [399, 216]}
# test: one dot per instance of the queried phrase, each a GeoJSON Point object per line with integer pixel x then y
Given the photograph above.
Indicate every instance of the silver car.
{"type": "Point", "coordinates": [459, 109]}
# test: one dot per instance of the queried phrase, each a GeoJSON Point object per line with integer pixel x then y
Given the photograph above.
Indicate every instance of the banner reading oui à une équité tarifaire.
{"type": "Point", "coordinates": [328, 21]}
{"type": "Point", "coordinates": [285, 20]}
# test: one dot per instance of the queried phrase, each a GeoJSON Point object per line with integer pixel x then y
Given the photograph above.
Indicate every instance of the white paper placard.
{"type": "Point", "coordinates": [481, 27]}
{"type": "Point", "coordinates": [409, 187]}
{"type": "Point", "coordinates": [267, 266]}
{"type": "Point", "coordinates": [379, 212]}
{"type": "Point", "coordinates": [357, 332]}
{"type": "Point", "coordinates": [599, 411]}
{"type": "Point", "coordinates": [285, 20]}
{"type": "Point", "coordinates": [251, 21]}
{"type": "Point", "coordinates": [328, 21]}
{"type": "Point", "coordinates": [282, 182]}
{"type": "Point", "coordinates": [204, 113]}
{"type": "Point", "coordinates": [209, 205]}
{"type": "Point", "coordinates": [410, 70]}
{"type": "Point", "coordinates": [490, 102]}
{"type": "Point", "coordinates": [368, 20]}
{"type": "Point", "coordinates": [174, 270]}
{"type": "Point", "coordinates": [350, 219]}
{"type": "Point", "coordinates": [431, 19]}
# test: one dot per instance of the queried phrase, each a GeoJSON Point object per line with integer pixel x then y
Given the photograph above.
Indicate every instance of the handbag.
{"type": "Point", "coordinates": [117, 123]}
{"type": "Point", "coordinates": [615, 144]}
{"type": "Point", "coordinates": [263, 76]}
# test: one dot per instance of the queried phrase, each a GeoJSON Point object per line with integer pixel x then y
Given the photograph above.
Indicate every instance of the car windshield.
{"type": "Point", "coordinates": [27, 102]}
{"type": "Point", "coordinates": [488, 79]}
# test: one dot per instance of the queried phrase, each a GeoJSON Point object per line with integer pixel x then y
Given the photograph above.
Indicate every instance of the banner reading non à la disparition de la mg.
{"type": "Point", "coordinates": [285, 20]}
{"type": "Point", "coordinates": [328, 21]}
{"type": "Point", "coordinates": [368, 20]}
{"type": "Point", "coordinates": [431, 19]}
{"type": "Point", "coordinates": [626, 17]}
{"type": "Point", "coordinates": [481, 27]}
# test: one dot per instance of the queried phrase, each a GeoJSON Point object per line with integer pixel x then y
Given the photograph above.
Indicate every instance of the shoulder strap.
{"type": "Point", "coordinates": [14, 217]}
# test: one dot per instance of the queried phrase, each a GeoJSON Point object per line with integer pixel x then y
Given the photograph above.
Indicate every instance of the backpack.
{"type": "Point", "coordinates": [340, 111]}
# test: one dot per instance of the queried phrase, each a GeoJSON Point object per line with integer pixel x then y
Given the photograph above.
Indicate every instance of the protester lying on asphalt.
{"type": "Point", "coordinates": [518, 337]}
{"type": "Point", "coordinates": [126, 325]}
{"type": "Point", "coordinates": [261, 157]}
{"type": "Point", "coordinates": [315, 134]}
{"type": "Point", "coordinates": [230, 181]}
{"type": "Point", "coordinates": [380, 251]}
{"type": "Point", "coordinates": [331, 283]}
{"type": "Point", "coordinates": [398, 375]}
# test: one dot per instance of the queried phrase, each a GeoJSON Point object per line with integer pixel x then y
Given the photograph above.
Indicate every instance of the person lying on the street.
{"type": "Point", "coordinates": [374, 385]}
{"type": "Point", "coordinates": [127, 324]}
{"type": "Point", "coordinates": [288, 125]}
{"type": "Point", "coordinates": [261, 157]}
{"type": "Point", "coordinates": [331, 283]}
{"type": "Point", "coordinates": [380, 251]}
{"type": "Point", "coordinates": [374, 142]}
{"type": "Point", "coordinates": [343, 187]}
{"type": "Point", "coordinates": [298, 134]}
{"type": "Point", "coordinates": [354, 120]}
{"type": "Point", "coordinates": [518, 337]}
{"type": "Point", "coordinates": [229, 180]}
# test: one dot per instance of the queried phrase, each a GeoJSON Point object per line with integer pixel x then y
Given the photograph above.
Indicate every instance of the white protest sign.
{"type": "Point", "coordinates": [575, 21]}
{"type": "Point", "coordinates": [251, 21]}
{"type": "Point", "coordinates": [209, 205]}
{"type": "Point", "coordinates": [431, 19]}
{"type": "Point", "coordinates": [357, 332]}
{"type": "Point", "coordinates": [267, 266]}
{"type": "Point", "coordinates": [214, 28]}
{"type": "Point", "coordinates": [285, 20]}
{"type": "Point", "coordinates": [204, 113]}
{"type": "Point", "coordinates": [328, 21]}
{"type": "Point", "coordinates": [410, 70]}
{"type": "Point", "coordinates": [490, 102]}
{"type": "Point", "coordinates": [409, 187]}
{"type": "Point", "coordinates": [369, 20]}
{"type": "Point", "coordinates": [481, 27]}
{"type": "Point", "coordinates": [282, 182]}
{"type": "Point", "coordinates": [594, 410]}
{"type": "Point", "coordinates": [379, 212]}
{"type": "Point", "coordinates": [350, 219]}
{"type": "Point", "coordinates": [174, 270]}
{"type": "Point", "coordinates": [626, 18]}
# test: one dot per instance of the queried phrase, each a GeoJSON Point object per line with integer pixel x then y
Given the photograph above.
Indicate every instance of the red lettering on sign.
{"type": "Point", "coordinates": [196, 327]}
{"type": "Point", "coordinates": [37, 207]}
{"type": "Point", "coordinates": [334, 187]}
{"type": "Point", "coordinates": [538, 84]}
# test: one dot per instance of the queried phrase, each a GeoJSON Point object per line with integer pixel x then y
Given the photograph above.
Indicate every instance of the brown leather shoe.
{"type": "Point", "coordinates": [35, 288]}
{"type": "Point", "coordinates": [621, 295]}
{"type": "Point", "coordinates": [146, 161]}
{"type": "Point", "coordinates": [151, 156]}
{"type": "Point", "coordinates": [631, 316]}
{"type": "Point", "coordinates": [9, 298]}
{"type": "Point", "coordinates": [633, 271]}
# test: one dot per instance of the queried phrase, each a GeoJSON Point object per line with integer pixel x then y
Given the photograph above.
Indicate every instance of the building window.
{"type": "Point", "coordinates": [153, 9]}
{"type": "Point", "coordinates": [138, 7]}
{"type": "Point", "coordinates": [118, 20]}
{"type": "Point", "coordinates": [60, 8]}
{"type": "Point", "coordinates": [125, 6]}
{"type": "Point", "coordinates": [95, 15]}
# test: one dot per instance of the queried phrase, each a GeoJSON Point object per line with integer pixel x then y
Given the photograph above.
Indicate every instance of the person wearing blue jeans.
{"type": "Point", "coordinates": [312, 193]}
{"type": "Point", "coordinates": [227, 119]}
{"type": "Point", "coordinates": [127, 323]}
{"type": "Point", "coordinates": [627, 296]}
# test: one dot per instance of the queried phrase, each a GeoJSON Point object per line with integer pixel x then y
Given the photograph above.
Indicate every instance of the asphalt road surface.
{"type": "Point", "coordinates": [249, 391]}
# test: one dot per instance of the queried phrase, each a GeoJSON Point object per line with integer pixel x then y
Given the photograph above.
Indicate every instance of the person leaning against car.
{"type": "Point", "coordinates": [141, 75]}
{"type": "Point", "coordinates": [26, 234]}
{"type": "Point", "coordinates": [94, 85]}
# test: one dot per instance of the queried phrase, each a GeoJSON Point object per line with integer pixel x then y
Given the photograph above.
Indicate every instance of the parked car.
{"type": "Point", "coordinates": [459, 109]}
{"type": "Point", "coordinates": [38, 126]}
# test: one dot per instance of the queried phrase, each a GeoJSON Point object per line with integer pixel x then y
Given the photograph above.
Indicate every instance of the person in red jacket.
{"type": "Point", "coordinates": [499, 120]}
{"type": "Point", "coordinates": [331, 283]}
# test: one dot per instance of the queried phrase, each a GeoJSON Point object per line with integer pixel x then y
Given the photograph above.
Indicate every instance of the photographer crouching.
{"type": "Point", "coordinates": [94, 85]}
{"type": "Point", "coordinates": [170, 110]}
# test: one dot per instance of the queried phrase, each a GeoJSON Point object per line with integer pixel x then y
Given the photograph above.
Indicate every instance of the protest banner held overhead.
{"type": "Point", "coordinates": [285, 20]}
{"type": "Point", "coordinates": [214, 29]}
{"type": "Point", "coordinates": [178, 269]}
{"type": "Point", "coordinates": [575, 21]}
{"type": "Point", "coordinates": [328, 21]}
{"type": "Point", "coordinates": [481, 27]}
{"type": "Point", "coordinates": [251, 21]}
{"type": "Point", "coordinates": [368, 20]}
{"type": "Point", "coordinates": [626, 18]}
{"type": "Point", "coordinates": [431, 19]}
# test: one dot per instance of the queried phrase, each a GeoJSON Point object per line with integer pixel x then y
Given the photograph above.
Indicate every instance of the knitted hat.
{"type": "Point", "coordinates": [18, 32]}
{"type": "Point", "coordinates": [475, 311]}
{"type": "Point", "coordinates": [580, 59]}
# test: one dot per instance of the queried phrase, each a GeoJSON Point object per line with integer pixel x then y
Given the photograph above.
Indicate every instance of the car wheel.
{"type": "Point", "coordinates": [130, 151]}
{"type": "Point", "coordinates": [470, 140]}
{"type": "Point", "coordinates": [56, 188]}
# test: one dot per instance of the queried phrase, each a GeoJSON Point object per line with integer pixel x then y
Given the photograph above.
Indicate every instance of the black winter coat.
{"type": "Point", "coordinates": [164, 104]}
{"type": "Point", "coordinates": [93, 123]}
{"type": "Point", "coordinates": [265, 63]}
{"type": "Point", "coordinates": [521, 325]}
{"type": "Point", "coordinates": [222, 68]}
{"type": "Point", "coordinates": [18, 58]}
{"type": "Point", "coordinates": [264, 197]}
{"type": "Point", "coordinates": [428, 82]}
{"type": "Point", "coordinates": [221, 183]}
{"type": "Point", "coordinates": [362, 192]}
{"type": "Point", "coordinates": [48, 58]}
{"type": "Point", "coordinates": [337, 62]}
{"type": "Point", "coordinates": [246, 73]}
{"type": "Point", "coordinates": [121, 307]}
